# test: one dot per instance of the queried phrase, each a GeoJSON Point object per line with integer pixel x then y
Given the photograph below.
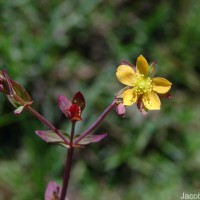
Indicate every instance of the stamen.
{"type": "Point", "coordinates": [142, 84]}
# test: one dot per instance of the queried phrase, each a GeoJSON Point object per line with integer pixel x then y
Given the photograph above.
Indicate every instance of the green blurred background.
{"type": "Point", "coordinates": [57, 47]}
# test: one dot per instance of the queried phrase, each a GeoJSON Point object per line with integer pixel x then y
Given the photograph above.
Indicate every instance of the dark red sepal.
{"type": "Point", "coordinates": [125, 62]}
{"type": "Point", "coordinates": [79, 100]}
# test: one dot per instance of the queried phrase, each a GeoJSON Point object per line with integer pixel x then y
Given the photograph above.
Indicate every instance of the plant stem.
{"type": "Point", "coordinates": [46, 122]}
{"type": "Point", "coordinates": [96, 123]}
{"type": "Point", "coordinates": [68, 164]}
{"type": "Point", "coordinates": [42, 119]}
{"type": "Point", "coordinates": [67, 173]}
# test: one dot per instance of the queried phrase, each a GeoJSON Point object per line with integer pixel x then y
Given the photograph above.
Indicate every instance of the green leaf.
{"type": "Point", "coordinates": [20, 91]}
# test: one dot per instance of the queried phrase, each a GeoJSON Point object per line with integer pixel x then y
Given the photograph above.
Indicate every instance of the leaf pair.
{"type": "Point", "coordinates": [50, 136]}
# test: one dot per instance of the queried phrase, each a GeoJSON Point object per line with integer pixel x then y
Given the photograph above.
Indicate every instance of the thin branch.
{"type": "Point", "coordinates": [47, 123]}
{"type": "Point", "coordinates": [96, 123]}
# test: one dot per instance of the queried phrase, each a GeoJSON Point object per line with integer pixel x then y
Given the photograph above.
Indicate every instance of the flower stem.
{"type": "Point", "coordinates": [96, 123]}
{"type": "Point", "coordinates": [47, 123]}
{"type": "Point", "coordinates": [68, 164]}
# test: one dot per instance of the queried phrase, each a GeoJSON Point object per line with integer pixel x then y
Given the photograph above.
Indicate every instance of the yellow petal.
{"type": "Point", "coordinates": [151, 101]}
{"type": "Point", "coordinates": [142, 66]}
{"type": "Point", "coordinates": [126, 75]}
{"type": "Point", "coordinates": [129, 97]}
{"type": "Point", "coordinates": [161, 85]}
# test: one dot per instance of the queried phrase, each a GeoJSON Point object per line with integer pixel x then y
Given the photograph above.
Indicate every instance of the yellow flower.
{"type": "Point", "coordinates": [141, 87]}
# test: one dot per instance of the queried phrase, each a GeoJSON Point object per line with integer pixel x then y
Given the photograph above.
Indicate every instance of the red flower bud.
{"type": "Point", "coordinates": [72, 110]}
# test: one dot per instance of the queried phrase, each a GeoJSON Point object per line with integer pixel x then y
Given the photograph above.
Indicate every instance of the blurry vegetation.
{"type": "Point", "coordinates": [60, 47]}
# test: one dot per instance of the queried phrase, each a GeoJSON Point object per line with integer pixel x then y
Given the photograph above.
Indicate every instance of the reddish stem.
{"type": "Point", "coordinates": [68, 164]}
{"type": "Point", "coordinates": [46, 122]}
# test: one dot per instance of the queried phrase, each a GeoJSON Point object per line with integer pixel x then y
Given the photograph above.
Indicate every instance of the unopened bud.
{"type": "Point", "coordinates": [120, 110]}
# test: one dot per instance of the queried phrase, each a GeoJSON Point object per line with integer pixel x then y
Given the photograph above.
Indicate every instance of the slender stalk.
{"type": "Point", "coordinates": [68, 164]}
{"type": "Point", "coordinates": [96, 123]}
{"type": "Point", "coordinates": [41, 118]}
{"type": "Point", "coordinates": [46, 122]}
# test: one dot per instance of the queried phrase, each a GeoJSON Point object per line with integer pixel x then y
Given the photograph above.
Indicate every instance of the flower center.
{"type": "Point", "coordinates": [142, 84]}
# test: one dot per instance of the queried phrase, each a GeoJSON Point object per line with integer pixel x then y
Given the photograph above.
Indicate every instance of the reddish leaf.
{"type": "Point", "coordinates": [50, 136]}
{"type": "Point", "coordinates": [92, 139]}
{"type": "Point", "coordinates": [64, 104]}
{"type": "Point", "coordinates": [79, 100]}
